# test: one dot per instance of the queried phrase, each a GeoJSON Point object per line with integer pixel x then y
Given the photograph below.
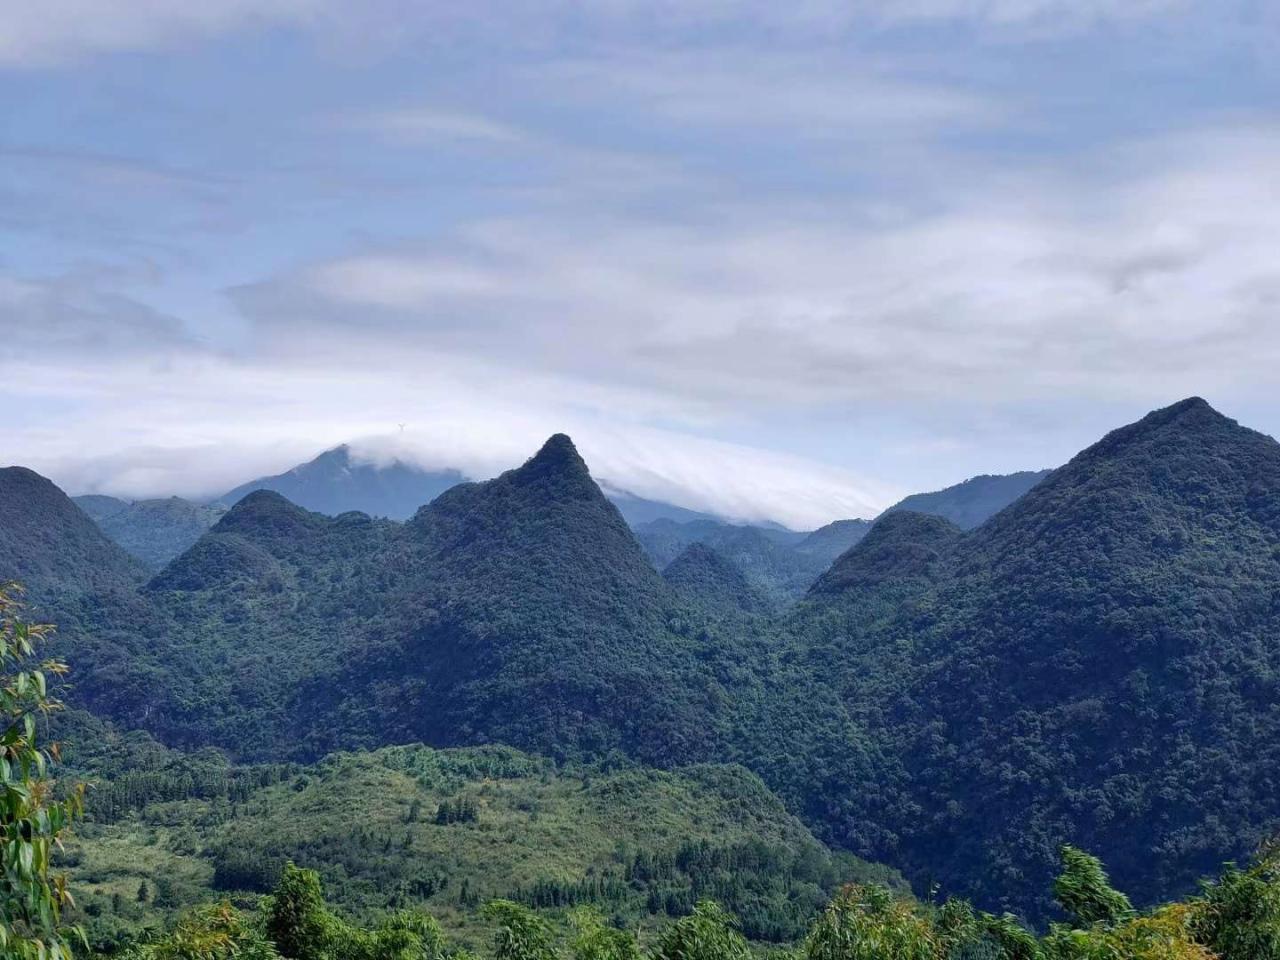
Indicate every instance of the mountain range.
{"type": "Point", "coordinates": [1095, 663]}
{"type": "Point", "coordinates": [779, 563]}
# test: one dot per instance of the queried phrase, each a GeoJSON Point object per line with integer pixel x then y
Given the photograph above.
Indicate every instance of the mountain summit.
{"type": "Point", "coordinates": [336, 482]}
{"type": "Point", "coordinates": [1092, 666]}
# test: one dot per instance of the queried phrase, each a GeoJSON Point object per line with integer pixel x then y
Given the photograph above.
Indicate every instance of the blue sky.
{"type": "Point", "coordinates": [779, 260]}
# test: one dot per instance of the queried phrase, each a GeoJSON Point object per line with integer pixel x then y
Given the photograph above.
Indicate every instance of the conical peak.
{"type": "Point", "coordinates": [261, 511]}
{"type": "Point", "coordinates": [559, 449]}
{"type": "Point", "coordinates": [558, 465]}
{"type": "Point", "coordinates": [1187, 419]}
{"type": "Point", "coordinates": [1193, 410]}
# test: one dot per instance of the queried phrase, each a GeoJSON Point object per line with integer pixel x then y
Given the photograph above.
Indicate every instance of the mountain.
{"type": "Point", "coordinates": [704, 577]}
{"type": "Point", "coordinates": [765, 556]}
{"type": "Point", "coordinates": [152, 531]}
{"type": "Point", "coordinates": [827, 543]}
{"type": "Point", "coordinates": [99, 506]}
{"type": "Point", "coordinates": [971, 503]}
{"type": "Point", "coordinates": [1097, 664]}
{"type": "Point", "coordinates": [88, 586]}
{"type": "Point", "coordinates": [336, 482]}
{"type": "Point", "coordinates": [901, 546]}
{"type": "Point", "coordinates": [519, 610]}
{"type": "Point", "coordinates": [51, 545]}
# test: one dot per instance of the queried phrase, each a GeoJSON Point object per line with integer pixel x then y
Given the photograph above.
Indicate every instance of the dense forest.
{"type": "Point", "coordinates": [783, 889]}
{"type": "Point", "coordinates": [405, 707]}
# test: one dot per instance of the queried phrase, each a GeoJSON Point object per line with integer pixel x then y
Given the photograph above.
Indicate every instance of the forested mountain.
{"type": "Point", "coordinates": [1094, 664]}
{"type": "Point", "coordinates": [153, 531]}
{"type": "Point", "coordinates": [336, 482]}
{"type": "Point", "coordinates": [99, 506]}
{"type": "Point", "coordinates": [767, 557]}
{"type": "Point", "coordinates": [51, 546]}
{"type": "Point", "coordinates": [1097, 664]}
{"type": "Point", "coordinates": [518, 610]}
{"type": "Point", "coordinates": [827, 543]}
{"type": "Point", "coordinates": [707, 579]}
{"type": "Point", "coordinates": [972, 502]}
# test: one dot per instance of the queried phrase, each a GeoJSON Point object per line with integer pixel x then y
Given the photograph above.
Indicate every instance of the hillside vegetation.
{"type": "Point", "coordinates": [1095, 664]}
{"type": "Point", "coordinates": [446, 830]}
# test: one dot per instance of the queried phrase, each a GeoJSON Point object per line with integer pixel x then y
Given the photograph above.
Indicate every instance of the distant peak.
{"type": "Point", "coordinates": [263, 510]}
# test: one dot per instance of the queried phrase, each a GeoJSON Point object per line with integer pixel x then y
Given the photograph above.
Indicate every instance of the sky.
{"type": "Point", "coordinates": [784, 261]}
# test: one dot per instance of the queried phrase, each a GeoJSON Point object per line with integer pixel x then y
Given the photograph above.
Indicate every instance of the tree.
{"type": "Point", "coordinates": [596, 940]}
{"type": "Point", "coordinates": [1239, 915]}
{"type": "Point", "coordinates": [32, 815]}
{"type": "Point", "coordinates": [216, 932]}
{"type": "Point", "coordinates": [1085, 892]}
{"type": "Point", "coordinates": [709, 933]}
{"type": "Point", "coordinates": [297, 920]}
{"type": "Point", "coordinates": [866, 922]}
{"type": "Point", "coordinates": [522, 934]}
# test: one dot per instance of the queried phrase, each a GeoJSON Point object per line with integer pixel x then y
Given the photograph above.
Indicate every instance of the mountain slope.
{"type": "Point", "coordinates": [520, 610]}
{"type": "Point", "coordinates": [766, 557]}
{"type": "Point", "coordinates": [827, 543]}
{"type": "Point", "coordinates": [99, 506]}
{"type": "Point", "coordinates": [971, 503]}
{"type": "Point", "coordinates": [541, 623]}
{"type": "Point", "coordinates": [156, 531]}
{"type": "Point", "coordinates": [335, 482]}
{"type": "Point", "coordinates": [88, 586]}
{"type": "Point", "coordinates": [443, 830]}
{"type": "Point", "coordinates": [1097, 665]}
{"type": "Point", "coordinates": [705, 578]}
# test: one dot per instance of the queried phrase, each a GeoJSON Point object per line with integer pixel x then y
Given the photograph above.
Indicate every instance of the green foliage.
{"type": "Point", "coordinates": [1096, 664]}
{"type": "Point", "coordinates": [868, 923]}
{"type": "Point", "coordinates": [214, 932]}
{"type": "Point", "coordinates": [1085, 892]}
{"type": "Point", "coordinates": [297, 920]}
{"type": "Point", "coordinates": [521, 934]}
{"type": "Point", "coordinates": [153, 531]}
{"type": "Point", "coordinates": [1239, 916]}
{"type": "Point", "coordinates": [1165, 934]}
{"type": "Point", "coordinates": [33, 816]}
{"type": "Point", "coordinates": [709, 933]}
{"type": "Point", "coordinates": [593, 939]}
{"type": "Point", "coordinates": [640, 845]}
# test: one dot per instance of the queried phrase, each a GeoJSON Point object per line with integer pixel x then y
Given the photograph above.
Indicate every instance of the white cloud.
{"type": "Point", "coordinates": [1158, 264]}
{"type": "Point", "coordinates": [205, 424]}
